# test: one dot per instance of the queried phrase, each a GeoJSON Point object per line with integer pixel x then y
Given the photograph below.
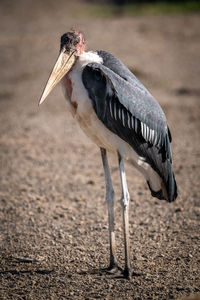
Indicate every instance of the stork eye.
{"type": "Point", "coordinates": [76, 42]}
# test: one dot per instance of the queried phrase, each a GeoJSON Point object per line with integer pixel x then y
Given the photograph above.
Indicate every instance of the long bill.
{"type": "Point", "coordinates": [62, 66]}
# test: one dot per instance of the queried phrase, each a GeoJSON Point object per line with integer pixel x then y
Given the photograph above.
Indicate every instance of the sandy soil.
{"type": "Point", "coordinates": [53, 228]}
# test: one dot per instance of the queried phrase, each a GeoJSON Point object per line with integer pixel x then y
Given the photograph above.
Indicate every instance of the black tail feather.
{"type": "Point", "coordinates": [168, 189]}
{"type": "Point", "coordinates": [171, 187]}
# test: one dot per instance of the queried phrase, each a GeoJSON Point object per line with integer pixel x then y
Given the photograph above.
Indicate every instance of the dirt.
{"type": "Point", "coordinates": [53, 228]}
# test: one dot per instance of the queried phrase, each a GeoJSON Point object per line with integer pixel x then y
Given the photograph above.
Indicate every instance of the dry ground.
{"type": "Point", "coordinates": [53, 228]}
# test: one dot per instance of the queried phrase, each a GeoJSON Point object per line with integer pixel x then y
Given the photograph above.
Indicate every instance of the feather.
{"type": "Point", "coordinates": [115, 111]}
{"type": "Point", "coordinates": [119, 113]}
{"type": "Point", "coordinates": [110, 105]}
{"type": "Point", "coordinates": [132, 122]}
{"type": "Point", "coordinates": [129, 121]}
{"type": "Point", "coordinates": [123, 122]}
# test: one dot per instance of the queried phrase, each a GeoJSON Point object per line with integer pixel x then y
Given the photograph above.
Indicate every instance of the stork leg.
{"type": "Point", "coordinates": [125, 205]}
{"type": "Point", "coordinates": [110, 203]}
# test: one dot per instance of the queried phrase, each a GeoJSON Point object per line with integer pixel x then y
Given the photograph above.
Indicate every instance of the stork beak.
{"type": "Point", "coordinates": [62, 66]}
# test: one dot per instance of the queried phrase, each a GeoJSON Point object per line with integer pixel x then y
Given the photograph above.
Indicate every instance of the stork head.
{"type": "Point", "coordinates": [72, 41]}
{"type": "Point", "coordinates": [71, 47]}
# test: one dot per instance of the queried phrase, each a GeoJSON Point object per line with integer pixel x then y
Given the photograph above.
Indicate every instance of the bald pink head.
{"type": "Point", "coordinates": [73, 41]}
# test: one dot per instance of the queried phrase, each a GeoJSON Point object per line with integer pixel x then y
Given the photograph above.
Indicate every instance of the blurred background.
{"type": "Point", "coordinates": [52, 209]}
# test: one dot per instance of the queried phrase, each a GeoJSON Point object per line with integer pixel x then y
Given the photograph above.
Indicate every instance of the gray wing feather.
{"type": "Point", "coordinates": [140, 103]}
{"type": "Point", "coordinates": [113, 63]}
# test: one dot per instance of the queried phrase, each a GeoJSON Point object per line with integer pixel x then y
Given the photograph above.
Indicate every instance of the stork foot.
{"type": "Point", "coordinates": [127, 273]}
{"type": "Point", "coordinates": [113, 269]}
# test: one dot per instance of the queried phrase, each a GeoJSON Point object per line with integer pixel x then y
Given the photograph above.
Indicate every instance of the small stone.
{"type": "Point", "coordinates": [91, 182]}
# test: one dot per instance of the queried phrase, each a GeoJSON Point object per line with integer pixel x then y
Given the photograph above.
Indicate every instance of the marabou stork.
{"type": "Point", "coordinates": [119, 114]}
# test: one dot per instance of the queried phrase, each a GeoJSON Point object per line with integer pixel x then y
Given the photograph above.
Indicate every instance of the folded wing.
{"type": "Point", "coordinates": [127, 109]}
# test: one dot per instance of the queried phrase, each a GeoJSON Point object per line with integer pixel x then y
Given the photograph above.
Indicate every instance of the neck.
{"type": "Point", "coordinates": [88, 57]}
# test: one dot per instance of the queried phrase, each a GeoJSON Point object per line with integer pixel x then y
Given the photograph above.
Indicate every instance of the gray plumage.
{"type": "Point", "coordinates": [111, 84]}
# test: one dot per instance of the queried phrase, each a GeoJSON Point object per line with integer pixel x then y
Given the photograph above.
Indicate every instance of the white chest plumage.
{"type": "Point", "coordinates": [81, 107]}
{"type": "Point", "coordinates": [82, 110]}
